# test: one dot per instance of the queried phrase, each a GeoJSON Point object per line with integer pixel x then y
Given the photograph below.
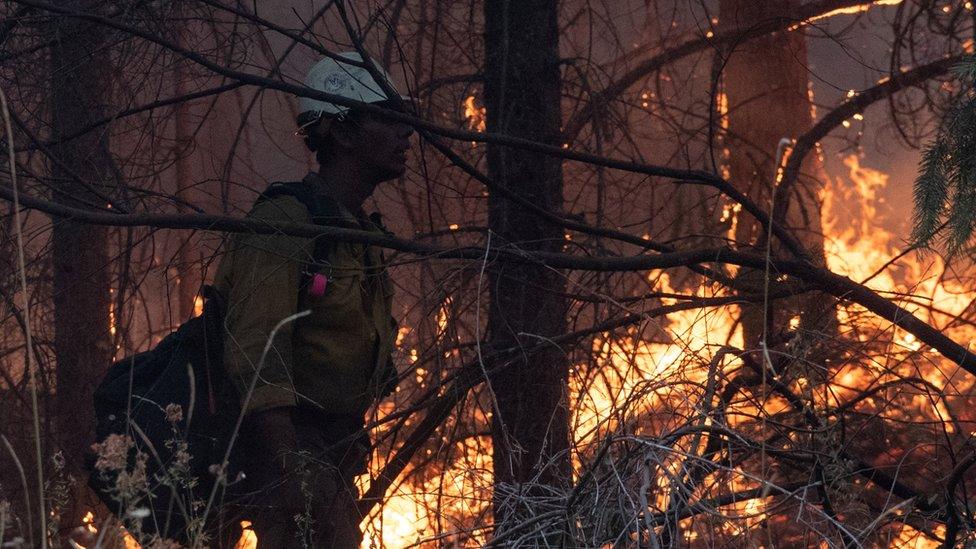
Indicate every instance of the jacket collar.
{"type": "Point", "coordinates": [357, 220]}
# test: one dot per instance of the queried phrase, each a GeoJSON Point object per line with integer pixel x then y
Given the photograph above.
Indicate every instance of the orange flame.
{"type": "Point", "coordinates": [248, 540]}
{"type": "Point", "coordinates": [474, 114]}
{"type": "Point", "coordinates": [849, 10]}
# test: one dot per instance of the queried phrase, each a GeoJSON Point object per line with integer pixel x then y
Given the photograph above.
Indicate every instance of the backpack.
{"type": "Point", "coordinates": [164, 417]}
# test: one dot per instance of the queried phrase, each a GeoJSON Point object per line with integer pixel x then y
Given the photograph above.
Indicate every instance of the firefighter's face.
{"type": "Point", "coordinates": [380, 145]}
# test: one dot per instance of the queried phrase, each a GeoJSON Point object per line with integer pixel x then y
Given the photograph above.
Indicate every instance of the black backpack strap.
{"type": "Point", "coordinates": [322, 210]}
{"type": "Point", "coordinates": [213, 344]}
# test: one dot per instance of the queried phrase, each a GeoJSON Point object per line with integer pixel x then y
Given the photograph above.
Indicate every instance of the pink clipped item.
{"type": "Point", "coordinates": [317, 286]}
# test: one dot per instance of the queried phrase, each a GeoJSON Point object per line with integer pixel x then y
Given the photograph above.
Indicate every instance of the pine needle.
{"type": "Point", "coordinates": [945, 188]}
{"type": "Point", "coordinates": [966, 69]}
{"type": "Point", "coordinates": [931, 192]}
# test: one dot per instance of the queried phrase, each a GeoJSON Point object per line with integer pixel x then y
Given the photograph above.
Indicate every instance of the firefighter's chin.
{"type": "Point", "coordinates": [395, 168]}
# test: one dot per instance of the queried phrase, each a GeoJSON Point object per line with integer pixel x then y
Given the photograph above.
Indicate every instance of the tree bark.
{"type": "Point", "coordinates": [530, 426]}
{"type": "Point", "coordinates": [767, 90]}
{"type": "Point", "coordinates": [80, 74]}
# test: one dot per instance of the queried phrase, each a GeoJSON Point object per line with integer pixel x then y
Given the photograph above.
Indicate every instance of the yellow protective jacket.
{"type": "Point", "coordinates": [337, 359]}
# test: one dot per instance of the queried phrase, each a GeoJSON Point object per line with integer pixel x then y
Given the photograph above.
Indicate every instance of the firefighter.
{"type": "Point", "coordinates": [302, 440]}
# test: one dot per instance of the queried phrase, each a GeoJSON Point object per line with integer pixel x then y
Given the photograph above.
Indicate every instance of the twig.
{"type": "Point", "coordinates": [22, 268]}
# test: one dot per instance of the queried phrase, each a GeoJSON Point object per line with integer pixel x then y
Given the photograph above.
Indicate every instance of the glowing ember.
{"type": "Point", "coordinates": [248, 540]}
{"type": "Point", "coordinates": [475, 115]}
{"type": "Point", "coordinates": [92, 533]}
{"type": "Point", "coordinates": [112, 323]}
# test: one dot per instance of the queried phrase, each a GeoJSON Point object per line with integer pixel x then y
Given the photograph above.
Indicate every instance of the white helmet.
{"type": "Point", "coordinates": [342, 79]}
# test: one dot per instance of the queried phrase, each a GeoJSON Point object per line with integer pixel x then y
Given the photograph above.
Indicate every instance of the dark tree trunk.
{"type": "Point", "coordinates": [80, 73]}
{"type": "Point", "coordinates": [522, 93]}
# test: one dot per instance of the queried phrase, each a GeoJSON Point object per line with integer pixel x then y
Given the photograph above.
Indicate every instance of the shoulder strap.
{"type": "Point", "coordinates": [322, 210]}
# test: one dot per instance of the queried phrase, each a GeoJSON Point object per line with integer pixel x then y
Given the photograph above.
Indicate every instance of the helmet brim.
{"type": "Point", "coordinates": [405, 104]}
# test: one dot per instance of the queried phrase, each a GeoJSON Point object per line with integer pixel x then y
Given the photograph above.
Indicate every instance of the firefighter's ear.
{"type": "Point", "coordinates": [345, 133]}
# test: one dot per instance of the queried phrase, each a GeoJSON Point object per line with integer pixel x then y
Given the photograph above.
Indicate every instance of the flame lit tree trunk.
{"type": "Point", "coordinates": [767, 88]}
{"type": "Point", "coordinates": [80, 174]}
{"type": "Point", "coordinates": [530, 427]}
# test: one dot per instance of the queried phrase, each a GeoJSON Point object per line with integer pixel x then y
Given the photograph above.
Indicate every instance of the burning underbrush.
{"type": "Point", "coordinates": [840, 431]}
{"type": "Point", "coordinates": [848, 433]}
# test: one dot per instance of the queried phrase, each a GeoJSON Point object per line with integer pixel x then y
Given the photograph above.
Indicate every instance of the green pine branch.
{"type": "Point", "coordinates": [945, 189]}
{"type": "Point", "coordinates": [931, 193]}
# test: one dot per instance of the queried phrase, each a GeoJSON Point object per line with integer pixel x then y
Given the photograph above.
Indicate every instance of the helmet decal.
{"type": "Point", "coordinates": [334, 82]}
